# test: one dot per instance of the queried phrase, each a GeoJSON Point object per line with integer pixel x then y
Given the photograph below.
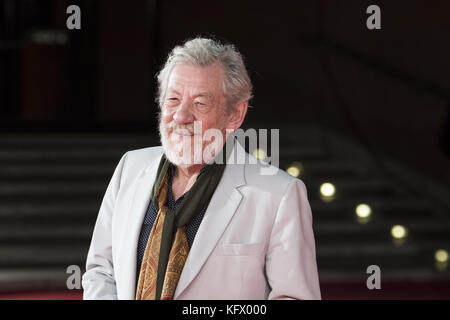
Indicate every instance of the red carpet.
{"type": "Point", "coordinates": [389, 291]}
{"type": "Point", "coordinates": [64, 295]}
{"type": "Point", "coordinates": [334, 291]}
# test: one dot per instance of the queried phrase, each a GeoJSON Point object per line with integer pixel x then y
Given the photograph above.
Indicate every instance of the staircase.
{"type": "Point", "coordinates": [51, 188]}
{"type": "Point", "coordinates": [346, 245]}
{"type": "Point", "coordinates": [52, 185]}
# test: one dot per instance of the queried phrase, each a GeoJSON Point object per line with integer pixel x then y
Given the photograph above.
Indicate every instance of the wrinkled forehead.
{"type": "Point", "coordinates": [196, 79]}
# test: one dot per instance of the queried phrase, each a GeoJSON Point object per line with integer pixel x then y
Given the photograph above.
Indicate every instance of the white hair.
{"type": "Point", "coordinates": [204, 52]}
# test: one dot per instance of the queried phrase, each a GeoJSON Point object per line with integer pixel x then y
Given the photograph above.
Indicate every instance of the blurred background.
{"type": "Point", "coordinates": [363, 118]}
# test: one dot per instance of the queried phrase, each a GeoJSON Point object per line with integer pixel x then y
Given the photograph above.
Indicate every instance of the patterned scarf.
{"type": "Point", "coordinates": [167, 246]}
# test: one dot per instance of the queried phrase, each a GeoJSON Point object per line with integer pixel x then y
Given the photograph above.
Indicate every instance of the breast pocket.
{"type": "Point", "coordinates": [239, 249]}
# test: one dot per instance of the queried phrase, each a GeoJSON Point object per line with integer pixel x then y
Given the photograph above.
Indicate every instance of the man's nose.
{"type": "Point", "coordinates": [183, 114]}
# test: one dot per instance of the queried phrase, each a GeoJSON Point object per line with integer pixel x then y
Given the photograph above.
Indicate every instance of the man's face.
{"type": "Point", "coordinates": [194, 94]}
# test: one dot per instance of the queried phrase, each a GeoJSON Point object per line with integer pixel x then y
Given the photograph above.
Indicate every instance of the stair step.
{"type": "Point", "coordinates": [45, 171]}
{"type": "Point", "coordinates": [58, 156]}
{"type": "Point", "coordinates": [346, 187]}
{"type": "Point", "coordinates": [51, 188]}
{"type": "Point", "coordinates": [57, 140]}
{"type": "Point", "coordinates": [32, 279]}
{"type": "Point", "coordinates": [35, 255]}
{"type": "Point", "coordinates": [387, 205]}
{"type": "Point", "coordinates": [53, 210]}
{"type": "Point", "coordinates": [43, 233]}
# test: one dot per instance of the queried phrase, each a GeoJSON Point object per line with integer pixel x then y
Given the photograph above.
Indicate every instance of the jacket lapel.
{"type": "Point", "coordinates": [133, 226]}
{"type": "Point", "coordinates": [219, 213]}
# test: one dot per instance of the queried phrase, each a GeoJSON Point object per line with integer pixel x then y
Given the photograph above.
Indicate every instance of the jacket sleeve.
{"type": "Point", "coordinates": [291, 266]}
{"type": "Point", "coordinates": [98, 280]}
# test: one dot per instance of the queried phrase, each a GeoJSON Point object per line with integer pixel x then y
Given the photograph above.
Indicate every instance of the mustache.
{"type": "Point", "coordinates": [187, 129]}
{"type": "Point", "coordinates": [184, 129]}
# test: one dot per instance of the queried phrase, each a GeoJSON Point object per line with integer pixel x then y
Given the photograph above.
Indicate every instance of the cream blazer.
{"type": "Point", "coordinates": [255, 240]}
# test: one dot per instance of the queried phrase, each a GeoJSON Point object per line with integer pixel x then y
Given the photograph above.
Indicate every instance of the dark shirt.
{"type": "Point", "coordinates": [150, 216]}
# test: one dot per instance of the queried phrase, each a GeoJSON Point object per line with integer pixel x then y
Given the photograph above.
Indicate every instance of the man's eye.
{"type": "Point", "coordinates": [173, 99]}
{"type": "Point", "coordinates": [200, 104]}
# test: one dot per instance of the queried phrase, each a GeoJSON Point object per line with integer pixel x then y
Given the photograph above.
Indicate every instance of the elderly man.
{"type": "Point", "coordinates": [178, 223]}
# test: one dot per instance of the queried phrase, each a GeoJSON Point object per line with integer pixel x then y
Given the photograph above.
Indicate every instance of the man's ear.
{"type": "Point", "coordinates": [237, 116]}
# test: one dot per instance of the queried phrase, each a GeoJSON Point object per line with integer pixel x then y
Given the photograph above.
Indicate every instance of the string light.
{"type": "Point", "coordinates": [363, 210]}
{"type": "Point", "coordinates": [327, 189]}
{"type": "Point", "coordinates": [363, 213]}
{"type": "Point", "coordinates": [441, 260]}
{"type": "Point", "coordinates": [295, 169]}
{"type": "Point", "coordinates": [259, 153]}
{"type": "Point", "coordinates": [441, 255]}
{"type": "Point", "coordinates": [327, 192]}
{"type": "Point", "coordinates": [399, 232]}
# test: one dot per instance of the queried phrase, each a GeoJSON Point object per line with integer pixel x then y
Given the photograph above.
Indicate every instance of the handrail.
{"type": "Point", "coordinates": [383, 66]}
